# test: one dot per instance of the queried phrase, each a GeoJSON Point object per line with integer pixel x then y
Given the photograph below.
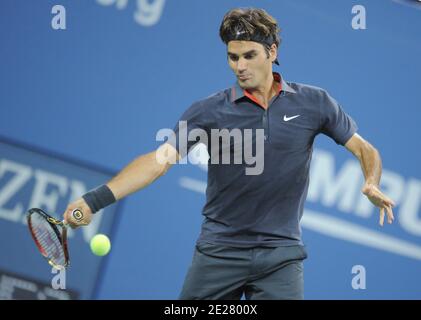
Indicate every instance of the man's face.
{"type": "Point", "coordinates": [250, 63]}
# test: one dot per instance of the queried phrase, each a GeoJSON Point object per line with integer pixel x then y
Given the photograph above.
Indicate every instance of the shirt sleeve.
{"type": "Point", "coordinates": [334, 121]}
{"type": "Point", "coordinates": [191, 128]}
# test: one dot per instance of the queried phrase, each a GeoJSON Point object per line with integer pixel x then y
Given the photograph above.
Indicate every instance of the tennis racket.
{"type": "Point", "coordinates": [50, 236]}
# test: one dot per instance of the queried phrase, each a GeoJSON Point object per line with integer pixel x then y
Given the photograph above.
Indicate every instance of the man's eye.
{"type": "Point", "coordinates": [249, 56]}
{"type": "Point", "coordinates": [233, 58]}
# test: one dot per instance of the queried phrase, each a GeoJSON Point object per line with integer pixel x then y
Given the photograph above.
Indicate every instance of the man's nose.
{"type": "Point", "coordinates": [241, 65]}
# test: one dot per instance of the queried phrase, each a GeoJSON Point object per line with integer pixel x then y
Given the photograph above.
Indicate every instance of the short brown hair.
{"type": "Point", "coordinates": [249, 24]}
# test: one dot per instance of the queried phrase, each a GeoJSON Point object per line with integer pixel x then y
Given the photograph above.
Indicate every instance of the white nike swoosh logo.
{"type": "Point", "coordinates": [290, 118]}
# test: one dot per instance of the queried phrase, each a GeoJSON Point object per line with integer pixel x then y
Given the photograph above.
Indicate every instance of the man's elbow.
{"type": "Point", "coordinates": [361, 148]}
{"type": "Point", "coordinates": [372, 149]}
{"type": "Point", "coordinates": [367, 150]}
{"type": "Point", "coordinates": [162, 169]}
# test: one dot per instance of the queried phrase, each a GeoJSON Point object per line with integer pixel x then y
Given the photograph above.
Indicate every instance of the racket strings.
{"type": "Point", "coordinates": [47, 240]}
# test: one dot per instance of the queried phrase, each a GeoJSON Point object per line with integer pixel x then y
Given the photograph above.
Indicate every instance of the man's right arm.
{"type": "Point", "coordinates": [135, 176]}
{"type": "Point", "coordinates": [141, 172]}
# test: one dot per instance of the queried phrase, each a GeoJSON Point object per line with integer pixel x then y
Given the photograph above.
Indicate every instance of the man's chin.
{"type": "Point", "coordinates": [245, 85]}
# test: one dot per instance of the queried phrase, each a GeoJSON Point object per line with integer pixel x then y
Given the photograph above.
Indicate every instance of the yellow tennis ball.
{"type": "Point", "coordinates": [100, 245]}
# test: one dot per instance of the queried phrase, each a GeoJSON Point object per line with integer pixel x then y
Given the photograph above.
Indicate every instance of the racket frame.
{"type": "Point", "coordinates": [62, 236]}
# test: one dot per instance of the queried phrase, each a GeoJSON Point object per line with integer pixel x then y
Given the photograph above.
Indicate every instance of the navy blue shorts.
{"type": "Point", "coordinates": [222, 272]}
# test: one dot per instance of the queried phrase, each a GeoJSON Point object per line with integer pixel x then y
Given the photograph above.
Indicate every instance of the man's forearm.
{"type": "Point", "coordinates": [138, 174]}
{"type": "Point", "coordinates": [371, 164]}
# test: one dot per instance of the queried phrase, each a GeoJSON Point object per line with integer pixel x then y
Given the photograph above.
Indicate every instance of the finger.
{"type": "Point", "coordinates": [385, 199]}
{"type": "Point", "coordinates": [77, 215]}
{"type": "Point", "coordinates": [381, 217]}
{"type": "Point", "coordinates": [390, 216]}
{"type": "Point", "coordinates": [389, 202]}
{"type": "Point", "coordinates": [381, 196]}
{"type": "Point", "coordinates": [71, 224]}
{"type": "Point", "coordinates": [377, 193]}
{"type": "Point", "coordinates": [82, 217]}
{"type": "Point", "coordinates": [65, 216]}
{"type": "Point", "coordinates": [377, 196]}
{"type": "Point", "coordinates": [70, 219]}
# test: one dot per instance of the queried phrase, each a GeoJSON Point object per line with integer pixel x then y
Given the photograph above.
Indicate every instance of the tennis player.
{"type": "Point", "coordinates": [250, 242]}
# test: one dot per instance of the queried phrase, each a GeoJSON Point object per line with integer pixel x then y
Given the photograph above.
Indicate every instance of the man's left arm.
{"type": "Point", "coordinates": [371, 165]}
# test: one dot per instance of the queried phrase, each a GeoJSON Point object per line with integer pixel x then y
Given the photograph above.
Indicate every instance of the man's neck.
{"type": "Point", "coordinates": [265, 92]}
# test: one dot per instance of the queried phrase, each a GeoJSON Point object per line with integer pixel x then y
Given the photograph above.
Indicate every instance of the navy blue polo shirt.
{"type": "Point", "coordinates": [265, 209]}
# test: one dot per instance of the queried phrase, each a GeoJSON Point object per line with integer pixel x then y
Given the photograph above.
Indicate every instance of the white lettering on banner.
{"type": "Point", "coordinates": [43, 181]}
{"type": "Point", "coordinates": [148, 12]}
{"type": "Point", "coordinates": [410, 206]}
{"type": "Point", "coordinates": [339, 228]}
{"type": "Point", "coordinates": [342, 189]}
{"type": "Point", "coordinates": [391, 183]}
{"type": "Point", "coordinates": [22, 174]}
{"type": "Point", "coordinates": [48, 189]}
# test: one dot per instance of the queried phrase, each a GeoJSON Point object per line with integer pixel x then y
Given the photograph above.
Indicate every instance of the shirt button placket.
{"type": "Point", "coordinates": [265, 124]}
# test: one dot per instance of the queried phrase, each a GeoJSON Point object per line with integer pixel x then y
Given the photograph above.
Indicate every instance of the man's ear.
{"type": "Point", "coordinates": [273, 52]}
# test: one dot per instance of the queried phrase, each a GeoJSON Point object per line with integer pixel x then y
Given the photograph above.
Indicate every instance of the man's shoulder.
{"type": "Point", "coordinates": [215, 99]}
{"type": "Point", "coordinates": [307, 90]}
{"type": "Point", "coordinates": [211, 103]}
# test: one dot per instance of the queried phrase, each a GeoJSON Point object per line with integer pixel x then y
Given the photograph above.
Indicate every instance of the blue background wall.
{"type": "Point", "coordinates": [100, 90]}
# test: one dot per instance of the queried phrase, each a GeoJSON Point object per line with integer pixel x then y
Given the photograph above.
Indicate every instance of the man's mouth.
{"type": "Point", "coordinates": [244, 77]}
